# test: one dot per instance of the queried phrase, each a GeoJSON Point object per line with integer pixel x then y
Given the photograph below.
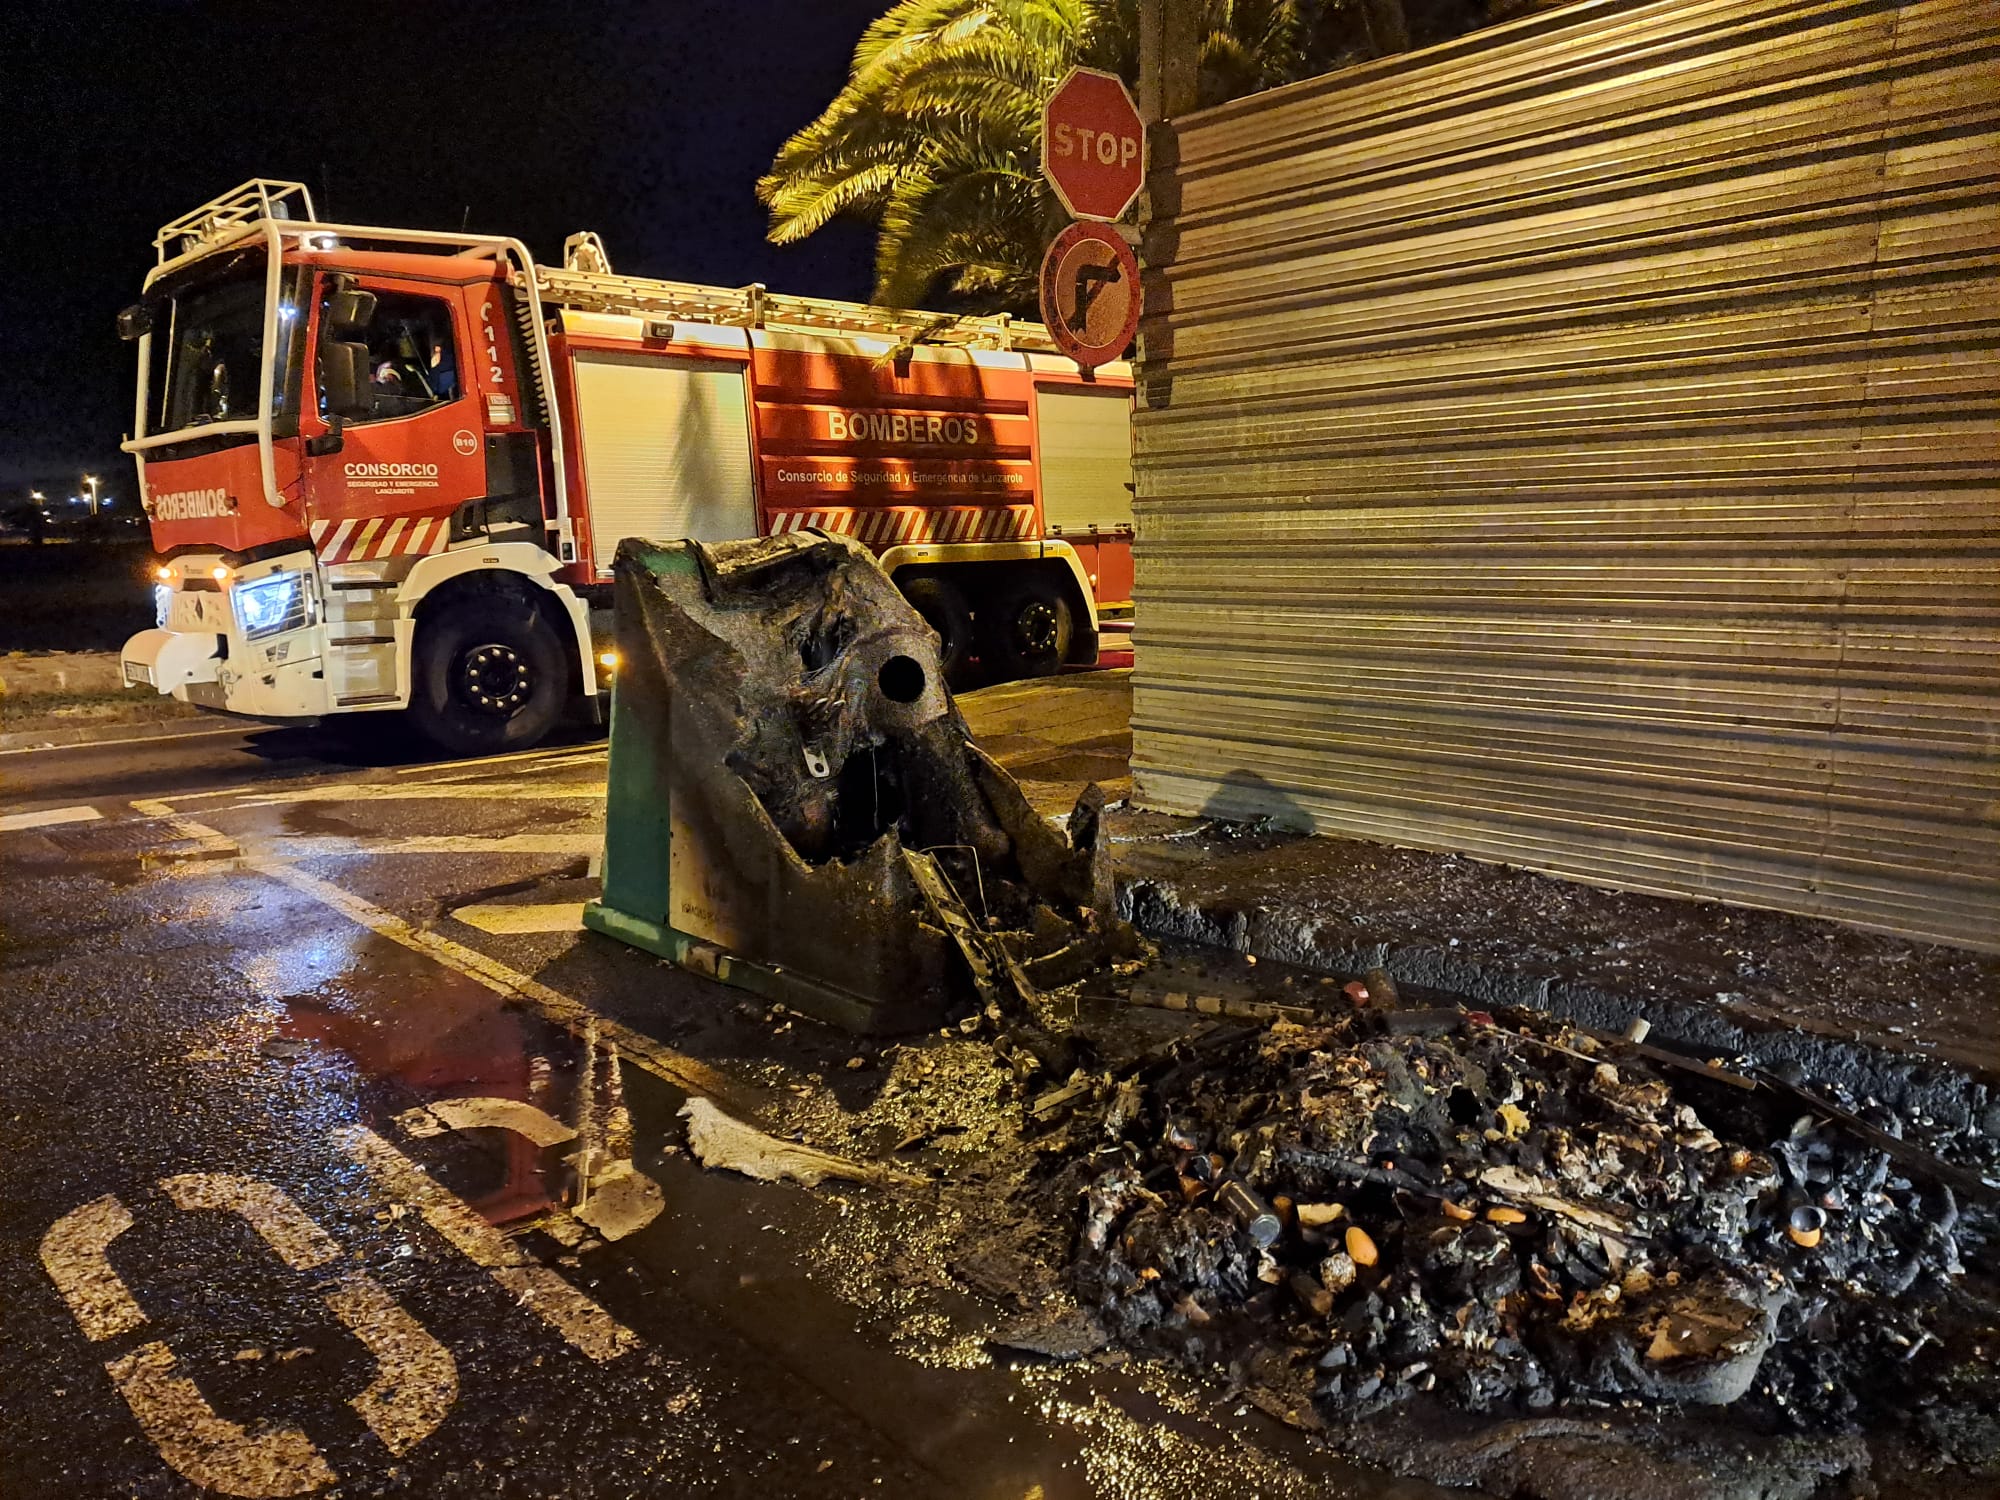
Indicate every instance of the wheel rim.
{"type": "Point", "coordinates": [495, 679]}
{"type": "Point", "coordinates": [1035, 629]}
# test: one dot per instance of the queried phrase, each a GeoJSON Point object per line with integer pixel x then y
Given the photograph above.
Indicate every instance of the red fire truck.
{"type": "Point", "coordinates": [387, 469]}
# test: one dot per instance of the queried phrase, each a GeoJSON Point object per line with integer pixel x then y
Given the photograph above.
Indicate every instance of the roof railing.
{"type": "Point", "coordinates": [231, 214]}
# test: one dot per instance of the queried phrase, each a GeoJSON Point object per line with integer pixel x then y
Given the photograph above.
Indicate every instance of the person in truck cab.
{"type": "Point", "coordinates": [443, 372]}
{"type": "Point", "coordinates": [400, 387]}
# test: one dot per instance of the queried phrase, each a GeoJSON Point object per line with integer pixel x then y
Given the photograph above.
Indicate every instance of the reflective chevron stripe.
{"type": "Point", "coordinates": [891, 526]}
{"type": "Point", "coordinates": [365, 541]}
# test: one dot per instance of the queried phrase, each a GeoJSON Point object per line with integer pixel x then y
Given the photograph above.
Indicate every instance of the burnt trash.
{"type": "Point", "coordinates": [796, 804]}
{"type": "Point", "coordinates": [1508, 1215]}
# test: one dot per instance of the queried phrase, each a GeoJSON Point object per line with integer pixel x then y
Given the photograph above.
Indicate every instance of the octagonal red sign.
{"type": "Point", "coordinates": [1093, 145]}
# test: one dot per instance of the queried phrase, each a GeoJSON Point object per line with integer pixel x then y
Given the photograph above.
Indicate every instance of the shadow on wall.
{"type": "Point", "coordinates": [1246, 797]}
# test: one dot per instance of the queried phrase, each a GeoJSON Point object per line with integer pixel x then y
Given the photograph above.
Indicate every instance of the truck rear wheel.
{"type": "Point", "coordinates": [489, 676]}
{"type": "Point", "coordinates": [944, 608]}
{"type": "Point", "coordinates": [1025, 629]}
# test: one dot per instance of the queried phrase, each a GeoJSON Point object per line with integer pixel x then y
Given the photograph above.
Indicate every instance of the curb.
{"type": "Point", "coordinates": [91, 734]}
{"type": "Point", "coordinates": [1936, 1085]}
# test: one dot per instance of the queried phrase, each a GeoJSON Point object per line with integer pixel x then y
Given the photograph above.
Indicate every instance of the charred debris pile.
{"type": "Point", "coordinates": [1503, 1214]}
{"type": "Point", "coordinates": [1355, 1204]}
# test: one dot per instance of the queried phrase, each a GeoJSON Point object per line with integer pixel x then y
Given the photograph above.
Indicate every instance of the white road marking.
{"type": "Point", "coordinates": [240, 789]}
{"type": "Point", "coordinates": [266, 1207]}
{"type": "Point", "coordinates": [48, 818]}
{"type": "Point", "coordinates": [572, 1314]}
{"type": "Point", "coordinates": [535, 759]}
{"type": "Point", "coordinates": [501, 917]}
{"type": "Point", "coordinates": [337, 846]}
{"type": "Point", "coordinates": [517, 757]}
{"type": "Point", "coordinates": [206, 839]}
{"type": "Point", "coordinates": [210, 1450]}
{"type": "Point", "coordinates": [425, 791]}
{"type": "Point", "coordinates": [517, 1115]}
{"type": "Point", "coordinates": [73, 1255]}
{"type": "Point", "coordinates": [581, 755]}
{"type": "Point", "coordinates": [136, 739]}
{"type": "Point", "coordinates": [677, 1068]}
{"type": "Point", "coordinates": [333, 846]}
{"type": "Point", "coordinates": [491, 773]}
{"type": "Point", "coordinates": [416, 1379]}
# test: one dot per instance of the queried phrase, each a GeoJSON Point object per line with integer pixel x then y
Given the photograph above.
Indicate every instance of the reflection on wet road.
{"type": "Point", "coordinates": [339, 1158]}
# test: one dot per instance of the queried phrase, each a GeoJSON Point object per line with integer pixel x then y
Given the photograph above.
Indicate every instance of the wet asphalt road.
{"type": "Point", "coordinates": [338, 1160]}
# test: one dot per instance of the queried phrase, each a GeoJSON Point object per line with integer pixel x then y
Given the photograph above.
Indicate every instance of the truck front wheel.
{"type": "Point", "coordinates": [489, 677]}
{"type": "Point", "coordinates": [1025, 630]}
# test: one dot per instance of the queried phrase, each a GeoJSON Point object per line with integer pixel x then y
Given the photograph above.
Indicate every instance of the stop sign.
{"type": "Point", "coordinates": [1093, 145]}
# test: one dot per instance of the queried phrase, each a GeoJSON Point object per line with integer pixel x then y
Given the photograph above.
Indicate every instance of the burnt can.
{"type": "Point", "coordinates": [1252, 1212]}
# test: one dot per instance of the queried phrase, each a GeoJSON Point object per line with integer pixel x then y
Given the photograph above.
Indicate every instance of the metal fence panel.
{"type": "Point", "coordinates": [1578, 445]}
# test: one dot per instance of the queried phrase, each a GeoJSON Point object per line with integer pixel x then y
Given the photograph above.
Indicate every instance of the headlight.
{"type": "Point", "coordinates": [270, 605]}
{"type": "Point", "coordinates": [163, 603]}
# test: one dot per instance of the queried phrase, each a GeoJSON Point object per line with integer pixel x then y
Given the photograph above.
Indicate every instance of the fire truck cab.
{"type": "Point", "coordinates": [388, 469]}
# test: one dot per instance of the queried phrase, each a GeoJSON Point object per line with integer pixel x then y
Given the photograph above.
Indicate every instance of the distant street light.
{"type": "Point", "coordinates": [91, 480]}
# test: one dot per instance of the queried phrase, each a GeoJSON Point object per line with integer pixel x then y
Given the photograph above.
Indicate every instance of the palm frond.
{"type": "Point", "coordinates": [936, 135]}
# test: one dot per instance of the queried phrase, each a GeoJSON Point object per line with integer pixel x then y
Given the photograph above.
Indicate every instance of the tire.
{"type": "Point", "coordinates": [944, 608]}
{"type": "Point", "coordinates": [1025, 630]}
{"type": "Point", "coordinates": [490, 676]}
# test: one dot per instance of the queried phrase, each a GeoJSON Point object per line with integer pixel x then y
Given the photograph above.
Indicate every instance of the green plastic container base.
{"type": "Point", "coordinates": [812, 997]}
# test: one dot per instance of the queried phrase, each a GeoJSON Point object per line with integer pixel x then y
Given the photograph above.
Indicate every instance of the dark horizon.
{"type": "Point", "coordinates": [647, 126]}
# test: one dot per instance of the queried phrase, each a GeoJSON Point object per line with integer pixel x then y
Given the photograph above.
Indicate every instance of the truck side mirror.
{"type": "Point", "coordinates": [343, 379]}
{"type": "Point", "coordinates": [135, 322]}
{"type": "Point", "coordinates": [349, 310]}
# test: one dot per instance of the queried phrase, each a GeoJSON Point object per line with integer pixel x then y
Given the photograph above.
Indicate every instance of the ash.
{"type": "Point", "coordinates": [1506, 1216]}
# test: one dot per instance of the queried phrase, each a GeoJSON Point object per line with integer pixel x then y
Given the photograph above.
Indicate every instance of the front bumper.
{"type": "Point", "coordinates": [167, 660]}
{"type": "Point", "coordinates": [280, 681]}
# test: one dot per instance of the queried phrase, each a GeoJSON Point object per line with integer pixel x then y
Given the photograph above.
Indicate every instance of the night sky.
{"type": "Point", "coordinates": [646, 122]}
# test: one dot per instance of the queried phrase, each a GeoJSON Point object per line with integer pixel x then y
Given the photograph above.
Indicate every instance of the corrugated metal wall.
{"type": "Point", "coordinates": [1578, 445]}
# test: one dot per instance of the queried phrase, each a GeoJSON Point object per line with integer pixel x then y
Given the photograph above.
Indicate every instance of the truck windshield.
{"type": "Point", "coordinates": [209, 355]}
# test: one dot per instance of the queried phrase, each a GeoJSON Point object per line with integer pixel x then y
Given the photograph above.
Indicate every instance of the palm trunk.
{"type": "Point", "coordinates": [1388, 27]}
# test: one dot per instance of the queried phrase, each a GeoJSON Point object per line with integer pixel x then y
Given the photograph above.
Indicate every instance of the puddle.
{"type": "Point", "coordinates": [848, 1290]}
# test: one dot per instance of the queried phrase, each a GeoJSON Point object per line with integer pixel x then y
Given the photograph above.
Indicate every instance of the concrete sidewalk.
{"type": "Point", "coordinates": [1057, 735]}
{"type": "Point", "coordinates": [74, 697]}
{"type": "Point", "coordinates": [1729, 981]}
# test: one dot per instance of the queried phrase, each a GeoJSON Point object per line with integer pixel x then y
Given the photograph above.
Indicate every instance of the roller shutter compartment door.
{"type": "Point", "coordinates": [1086, 451]}
{"type": "Point", "coordinates": [666, 450]}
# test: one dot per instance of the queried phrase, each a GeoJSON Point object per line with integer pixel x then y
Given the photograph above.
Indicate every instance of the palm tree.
{"type": "Point", "coordinates": [937, 135]}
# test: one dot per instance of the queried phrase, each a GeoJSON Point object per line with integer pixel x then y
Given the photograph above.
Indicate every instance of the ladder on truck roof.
{"type": "Point", "coordinates": [587, 283]}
